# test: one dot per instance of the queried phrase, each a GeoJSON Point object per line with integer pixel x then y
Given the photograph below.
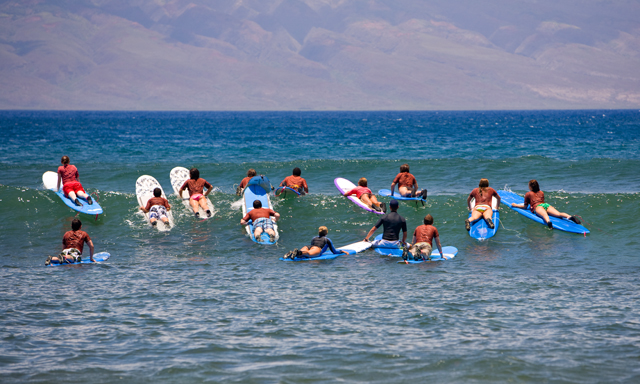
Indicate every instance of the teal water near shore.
{"type": "Point", "coordinates": [205, 303]}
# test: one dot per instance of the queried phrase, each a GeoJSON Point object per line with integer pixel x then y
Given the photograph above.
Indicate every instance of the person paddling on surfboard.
{"type": "Point", "coordinates": [69, 177]}
{"type": "Point", "coordinates": [296, 182]}
{"type": "Point", "coordinates": [422, 242]}
{"type": "Point", "coordinates": [261, 218]}
{"type": "Point", "coordinates": [535, 200]}
{"type": "Point", "coordinates": [407, 184]}
{"type": "Point", "coordinates": [157, 208]}
{"type": "Point", "coordinates": [364, 194]}
{"type": "Point", "coordinates": [251, 173]}
{"type": "Point", "coordinates": [484, 199]}
{"type": "Point", "coordinates": [319, 245]}
{"type": "Point", "coordinates": [196, 186]}
{"type": "Point", "coordinates": [72, 244]}
{"type": "Point", "coordinates": [392, 223]}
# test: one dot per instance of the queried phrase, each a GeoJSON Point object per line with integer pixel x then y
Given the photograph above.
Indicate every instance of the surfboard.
{"type": "Point", "coordinates": [178, 176]}
{"type": "Point", "coordinates": [448, 254]}
{"type": "Point", "coordinates": [508, 197]}
{"type": "Point", "coordinates": [397, 196]}
{"type": "Point", "coordinates": [144, 191]}
{"type": "Point", "coordinates": [351, 248]}
{"type": "Point", "coordinates": [480, 230]}
{"type": "Point", "coordinates": [345, 185]}
{"type": "Point", "coordinates": [258, 189]}
{"type": "Point", "coordinates": [98, 257]}
{"type": "Point", "coordinates": [388, 251]}
{"type": "Point", "coordinates": [50, 181]}
{"type": "Point", "coordinates": [286, 192]}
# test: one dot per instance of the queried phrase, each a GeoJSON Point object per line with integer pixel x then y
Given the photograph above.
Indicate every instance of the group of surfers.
{"type": "Point", "coordinates": [263, 219]}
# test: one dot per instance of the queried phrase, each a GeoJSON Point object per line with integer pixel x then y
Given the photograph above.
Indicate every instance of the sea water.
{"type": "Point", "coordinates": [203, 303]}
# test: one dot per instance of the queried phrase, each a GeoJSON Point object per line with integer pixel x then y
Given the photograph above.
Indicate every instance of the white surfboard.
{"type": "Point", "coordinates": [344, 186]}
{"type": "Point", "coordinates": [178, 176]}
{"type": "Point", "coordinates": [144, 191]}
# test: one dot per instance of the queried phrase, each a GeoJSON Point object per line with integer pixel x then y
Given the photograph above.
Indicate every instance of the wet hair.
{"type": "Point", "coordinates": [404, 168]}
{"type": "Point", "coordinates": [257, 204]}
{"type": "Point", "coordinates": [533, 184]}
{"type": "Point", "coordinates": [157, 192]}
{"type": "Point", "coordinates": [297, 171]}
{"type": "Point", "coordinates": [322, 231]}
{"type": "Point", "coordinates": [428, 220]}
{"type": "Point", "coordinates": [65, 160]}
{"type": "Point", "coordinates": [483, 185]}
{"type": "Point", "coordinates": [362, 182]}
{"type": "Point", "coordinates": [194, 173]}
{"type": "Point", "coordinates": [76, 224]}
{"type": "Point", "coordinates": [251, 172]}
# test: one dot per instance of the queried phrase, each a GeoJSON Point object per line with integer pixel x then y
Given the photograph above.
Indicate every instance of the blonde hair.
{"type": "Point", "coordinates": [322, 231]}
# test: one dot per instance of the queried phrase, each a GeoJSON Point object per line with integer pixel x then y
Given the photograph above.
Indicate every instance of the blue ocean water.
{"type": "Point", "coordinates": [204, 303]}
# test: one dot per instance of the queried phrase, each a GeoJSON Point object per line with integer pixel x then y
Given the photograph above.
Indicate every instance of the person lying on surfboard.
{"type": "Point", "coordinates": [364, 194]}
{"type": "Point", "coordinates": [72, 244]}
{"type": "Point", "coordinates": [196, 186]}
{"type": "Point", "coordinates": [157, 208]}
{"type": "Point", "coordinates": [68, 175]}
{"type": "Point", "coordinates": [319, 244]}
{"type": "Point", "coordinates": [251, 173]}
{"type": "Point", "coordinates": [407, 184]}
{"type": "Point", "coordinates": [535, 200]}
{"type": "Point", "coordinates": [392, 223]}
{"type": "Point", "coordinates": [482, 210]}
{"type": "Point", "coordinates": [422, 242]}
{"type": "Point", "coordinates": [296, 182]}
{"type": "Point", "coordinates": [261, 218]}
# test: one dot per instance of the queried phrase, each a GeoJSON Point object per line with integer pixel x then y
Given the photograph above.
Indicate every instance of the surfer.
{"type": "Point", "coordinates": [319, 244]}
{"type": "Point", "coordinates": [482, 209]}
{"type": "Point", "coordinates": [68, 175]}
{"type": "Point", "coordinates": [422, 242]}
{"type": "Point", "coordinates": [157, 208]}
{"type": "Point", "coordinates": [364, 194]}
{"type": "Point", "coordinates": [261, 218]}
{"type": "Point", "coordinates": [407, 184]}
{"type": "Point", "coordinates": [196, 186]}
{"type": "Point", "coordinates": [72, 244]}
{"type": "Point", "coordinates": [535, 200]}
{"type": "Point", "coordinates": [296, 182]}
{"type": "Point", "coordinates": [251, 173]}
{"type": "Point", "coordinates": [392, 223]}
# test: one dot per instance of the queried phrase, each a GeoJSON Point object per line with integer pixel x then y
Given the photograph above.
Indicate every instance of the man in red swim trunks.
{"type": "Point", "coordinates": [296, 182]}
{"type": "Point", "coordinates": [261, 218]}
{"type": "Point", "coordinates": [73, 244]}
{"type": "Point", "coordinates": [68, 175]}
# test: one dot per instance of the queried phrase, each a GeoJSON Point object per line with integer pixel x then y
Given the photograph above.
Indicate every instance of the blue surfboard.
{"type": "Point", "coordinates": [258, 189]}
{"type": "Point", "coordinates": [480, 230]}
{"type": "Point", "coordinates": [50, 181]}
{"type": "Point", "coordinates": [388, 251]}
{"type": "Point", "coordinates": [565, 225]}
{"type": "Point", "coordinates": [352, 249]}
{"type": "Point", "coordinates": [449, 253]}
{"type": "Point", "coordinates": [98, 257]}
{"type": "Point", "coordinates": [397, 196]}
{"type": "Point", "coordinates": [286, 191]}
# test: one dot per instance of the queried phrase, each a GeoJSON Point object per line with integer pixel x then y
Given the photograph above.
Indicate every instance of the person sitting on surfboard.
{"type": "Point", "coordinates": [319, 244]}
{"type": "Point", "coordinates": [392, 223]}
{"type": "Point", "coordinates": [73, 243]}
{"type": "Point", "coordinates": [407, 184]}
{"type": "Point", "coordinates": [364, 194]}
{"type": "Point", "coordinates": [196, 186]}
{"type": "Point", "coordinates": [535, 200]}
{"type": "Point", "coordinates": [157, 208]}
{"type": "Point", "coordinates": [68, 175]}
{"type": "Point", "coordinates": [422, 242]}
{"type": "Point", "coordinates": [251, 173]}
{"type": "Point", "coordinates": [296, 182]}
{"type": "Point", "coordinates": [261, 218]}
{"type": "Point", "coordinates": [484, 198]}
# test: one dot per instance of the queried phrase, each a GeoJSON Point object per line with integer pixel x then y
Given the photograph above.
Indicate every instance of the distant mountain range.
{"type": "Point", "coordinates": [319, 54]}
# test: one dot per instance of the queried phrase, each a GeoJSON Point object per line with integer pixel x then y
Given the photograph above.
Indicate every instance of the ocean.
{"type": "Point", "coordinates": [203, 303]}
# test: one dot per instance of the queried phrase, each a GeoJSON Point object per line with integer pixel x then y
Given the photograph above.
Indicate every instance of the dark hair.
{"type": "Point", "coordinates": [428, 220]}
{"type": "Point", "coordinates": [194, 173]}
{"type": "Point", "coordinates": [404, 168]}
{"type": "Point", "coordinates": [76, 224]}
{"type": "Point", "coordinates": [65, 160]}
{"type": "Point", "coordinates": [362, 182]}
{"type": "Point", "coordinates": [533, 184]}
{"type": "Point", "coordinates": [297, 171]}
{"type": "Point", "coordinates": [157, 192]}
{"type": "Point", "coordinates": [251, 172]}
{"type": "Point", "coordinates": [257, 204]}
{"type": "Point", "coordinates": [483, 185]}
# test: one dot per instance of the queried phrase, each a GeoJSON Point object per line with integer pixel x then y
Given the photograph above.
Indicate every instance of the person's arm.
{"type": "Point", "coordinates": [306, 187]}
{"type": "Point", "coordinates": [413, 240]}
{"type": "Point", "coordinates": [370, 233]}
{"type": "Point", "coordinates": [498, 201]}
{"type": "Point", "coordinates": [209, 189]}
{"type": "Point", "coordinates": [245, 219]}
{"type": "Point", "coordinates": [184, 186]}
{"type": "Point", "coordinates": [91, 251]}
{"type": "Point", "coordinates": [393, 187]}
{"type": "Point", "coordinates": [143, 209]}
{"type": "Point", "coordinates": [404, 236]}
{"type": "Point", "coordinates": [469, 202]}
{"type": "Point", "coordinates": [439, 246]}
{"type": "Point", "coordinates": [350, 192]}
{"type": "Point", "coordinates": [276, 216]}
{"type": "Point", "coordinates": [333, 249]}
{"type": "Point", "coordinates": [59, 181]}
{"type": "Point", "coordinates": [167, 205]}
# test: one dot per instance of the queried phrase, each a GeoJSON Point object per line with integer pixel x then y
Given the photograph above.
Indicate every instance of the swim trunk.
{"type": "Point", "coordinates": [157, 212]}
{"type": "Point", "coordinates": [386, 243]}
{"type": "Point", "coordinates": [544, 205]}
{"type": "Point", "coordinates": [264, 223]}
{"type": "Point", "coordinates": [197, 196]}
{"type": "Point", "coordinates": [72, 186]}
{"type": "Point", "coordinates": [73, 252]}
{"type": "Point", "coordinates": [417, 248]}
{"type": "Point", "coordinates": [481, 208]}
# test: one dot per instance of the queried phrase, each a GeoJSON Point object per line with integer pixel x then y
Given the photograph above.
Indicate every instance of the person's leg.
{"type": "Point", "coordinates": [203, 203]}
{"type": "Point", "coordinates": [257, 232]}
{"type": "Point", "coordinates": [475, 216]}
{"type": "Point", "coordinates": [555, 213]}
{"type": "Point", "coordinates": [194, 205]}
{"type": "Point", "coordinates": [404, 191]}
{"type": "Point", "coordinates": [543, 214]}
{"type": "Point", "coordinates": [487, 217]}
{"type": "Point", "coordinates": [425, 250]}
{"type": "Point", "coordinates": [72, 196]}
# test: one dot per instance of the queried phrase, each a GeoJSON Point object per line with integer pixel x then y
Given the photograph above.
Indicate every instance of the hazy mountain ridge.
{"type": "Point", "coordinates": [318, 54]}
